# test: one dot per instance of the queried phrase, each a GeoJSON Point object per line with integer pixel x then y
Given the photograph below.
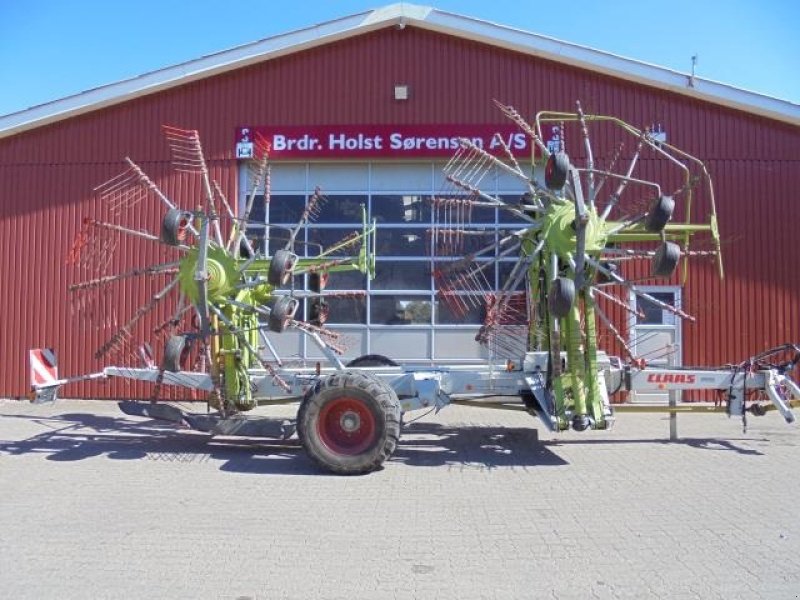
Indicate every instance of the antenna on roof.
{"type": "Point", "coordinates": [694, 64]}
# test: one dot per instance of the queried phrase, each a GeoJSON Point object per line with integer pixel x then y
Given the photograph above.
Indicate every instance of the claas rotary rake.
{"type": "Point", "coordinates": [590, 226]}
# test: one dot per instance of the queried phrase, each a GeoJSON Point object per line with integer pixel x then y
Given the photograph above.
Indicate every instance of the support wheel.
{"type": "Point", "coordinates": [659, 214]}
{"type": "Point", "coordinates": [349, 422]}
{"type": "Point", "coordinates": [176, 354]}
{"type": "Point", "coordinates": [665, 259]}
{"type": "Point", "coordinates": [174, 226]}
{"type": "Point", "coordinates": [282, 309]}
{"type": "Point", "coordinates": [556, 171]}
{"type": "Point", "coordinates": [280, 267]}
{"type": "Point", "coordinates": [561, 297]}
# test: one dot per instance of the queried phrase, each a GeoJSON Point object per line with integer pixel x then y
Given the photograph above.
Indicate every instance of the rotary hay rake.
{"type": "Point", "coordinates": [221, 296]}
{"type": "Point", "coordinates": [582, 234]}
{"type": "Point", "coordinates": [581, 230]}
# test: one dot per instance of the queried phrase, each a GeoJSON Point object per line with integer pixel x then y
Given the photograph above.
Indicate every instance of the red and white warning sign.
{"type": "Point", "coordinates": [44, 368]}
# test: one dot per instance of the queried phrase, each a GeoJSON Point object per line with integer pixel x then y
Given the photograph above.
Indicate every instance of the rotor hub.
{"type": "Point", "coordinates": [559, 230]}
{"type": "Point", "coordinates": [220, 274]}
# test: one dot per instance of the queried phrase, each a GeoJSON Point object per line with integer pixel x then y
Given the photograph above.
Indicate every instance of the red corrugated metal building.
{"type": "Point", "coordinates": [344, 74]}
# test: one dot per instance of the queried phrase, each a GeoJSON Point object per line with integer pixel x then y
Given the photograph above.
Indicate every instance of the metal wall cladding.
{"type": "Point", "coordinates": [47, 176]}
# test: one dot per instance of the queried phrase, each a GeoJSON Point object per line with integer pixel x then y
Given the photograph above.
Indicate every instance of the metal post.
{"type": "Point", "coordinates": [673, 415]}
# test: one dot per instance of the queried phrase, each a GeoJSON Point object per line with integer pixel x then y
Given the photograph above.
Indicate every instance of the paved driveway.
{"type": "Point", "coordinates": [94, 504]}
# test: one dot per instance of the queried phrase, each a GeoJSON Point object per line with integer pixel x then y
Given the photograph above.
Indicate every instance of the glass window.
{"type": "Point", "coordinates": [395, 275]}
{"type": "Point", "coordinates": [654, 314]}
{"type": "Point", "coordinates": [458, 242]}
{"type": "Point", "coordinates": [322, 239]}
{"type": "Point", "coordinates": [346, 280]}
{"type": "Point", "coordinates": [454, 211]}
{"type": "Point", "coordinates": [286, 208]}
{"type": "Point", "coordinates": [278, 237]}
{"type": "Point", "coordinates": [505, 271]}
{"type": "Point", "coordinates": [340, 209]}
{"type": "Point", "coordinates": [401, 209]}
{"type": "Point", "coordinates": [347, 311]}
{"type": "Point", "coordinates": [255, 236]}
{"type": "Point", "coordinates": [506, 216]}
{"type": "Point", "coordinates": [459, 276]}
{"type": "Point", "coordinates": [402, 242]}
{"type": "Point", "coordinates": [400, 310]}
{"type": "Point", "coordinates": [258, 214]}
{"type": "Point", "coordinates": [460, 309]}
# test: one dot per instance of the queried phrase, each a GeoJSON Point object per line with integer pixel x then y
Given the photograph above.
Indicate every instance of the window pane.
{"type": "Point", "coordinates": [505, 272]}
{"type": "Point", "coordinates": [654, 314]}
{"type": "Point", "coordinates": [506, 216]}
{"type": "Point", "coordinates": [401, 209]}
{"type": "Point", "coordinates": [286, 208]}
{"type": "Point", "coordinates": [347, 310]}
{"type": "Point", "coordinates": [323, 239]}
{"type": "Point", "coordinates": [448, 241]}
{"type": "Point", "coordinates": [460, 310]}
{"type": "Point", "coordinates": [346, 280]}
{"type": "Point", "coordinates": [392, 275]}
{"type": "Point", "coordinates": [464, 277]}
{"type": "Point", "coordinates": [340, 209]}
{"type": "Point", "coordinates": [278, 237]}
{"type": "Point", "coordinates": [400, 310]}
{"type": "Point", "coordinates": [258, 213]}
{"type": "Point", "coordinates": [460, 210]}
{"type": "Point", "coordinates": [256, 237]}
{"type": "Point", "coordinates": [402, 242]}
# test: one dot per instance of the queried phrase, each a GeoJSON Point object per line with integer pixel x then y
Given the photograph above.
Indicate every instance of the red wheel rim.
{"type": "Point", "coordinates": [347, 426]}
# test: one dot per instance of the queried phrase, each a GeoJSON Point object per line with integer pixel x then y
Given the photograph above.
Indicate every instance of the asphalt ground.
{"type": "Point", "coordinates": [475, 504]}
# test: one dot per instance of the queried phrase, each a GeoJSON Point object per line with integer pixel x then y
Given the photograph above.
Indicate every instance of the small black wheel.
{"type": "Point", "coordinates": [176, 354]}
{"type": "Point", "coordinates": [174, 226]}
{"type": "Point", "coordinates": [556, 171]}
{"type": "Point", "coordinates": [282, 309]}
{"type": "Point", "coordinates": [659, 214]}
{"type": "Point", "coordinates": [372, 360]}
{"type": "Point", "coordinates": [280, 267]}
{"type": "Point", "coordinates": [665, 259]}
{"type": "Point", "coordinates": [561, 297]}
{"type": "Point", "coordinates": [349, 422]}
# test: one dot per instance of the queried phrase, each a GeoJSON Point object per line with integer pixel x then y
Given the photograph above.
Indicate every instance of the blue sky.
{"type": "Point", "coordinates": [50, 49]}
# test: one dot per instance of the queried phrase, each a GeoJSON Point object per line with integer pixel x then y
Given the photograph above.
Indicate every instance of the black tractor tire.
{"type": "Point", "coordinates": [176, 354]}
{"type": "Point", "coordinates": [280, 267]}
{"type": "Point", "coordinates": [556, 171]}
{"type": "Point", "coordinates": [665, 260]}
{"type": "Point", "coordinates": [282, 309]}
{"type": "Point", "coordinates": [659, 214]}
{"type": "Point", "coordinates": [372, 360]}
{"type": "Point", "coordinates": [561, 297]}
{"type": "Point", "coordinates": [349, 422]}
{"type": "Point", "coordinates": [174, 226]}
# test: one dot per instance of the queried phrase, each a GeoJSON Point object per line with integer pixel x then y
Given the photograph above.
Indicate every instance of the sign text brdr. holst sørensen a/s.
{"type": "Point", "coordinates": [383, 141]}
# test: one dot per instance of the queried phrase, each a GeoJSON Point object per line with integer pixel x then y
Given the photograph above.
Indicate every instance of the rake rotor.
{"type": "Point", "coordinates": [214, 299]}
{"type": "Point", "coordinates": [586, 229]}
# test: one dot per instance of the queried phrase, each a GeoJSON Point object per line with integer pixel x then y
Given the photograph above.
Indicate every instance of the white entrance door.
{"type": "Point", "coordinates": [655, 334]}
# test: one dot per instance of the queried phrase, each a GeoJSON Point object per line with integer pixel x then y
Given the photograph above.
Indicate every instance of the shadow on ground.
{"type": "Point", "coordinates": [79, 436]}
